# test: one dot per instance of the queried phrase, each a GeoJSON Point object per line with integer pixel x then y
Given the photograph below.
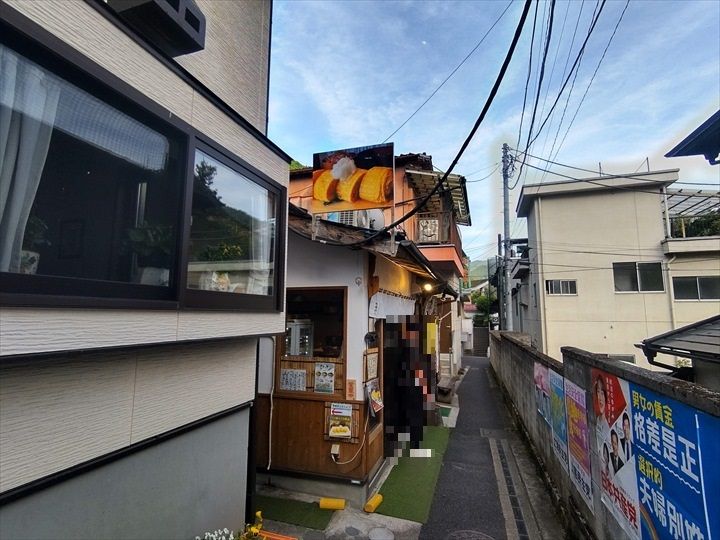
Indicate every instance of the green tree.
{"type": "Point", "coordinates": [707, 225]}
{"type": "Point", "coordinates": [484, 303]}
{"type": "Point", "coordinates": [295, 165]}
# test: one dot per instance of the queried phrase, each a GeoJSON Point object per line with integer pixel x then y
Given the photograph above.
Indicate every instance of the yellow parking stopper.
{"type": "Point", "coordinates": [372, 503]}
{"type": "Point", "coordinates": [327, 503]}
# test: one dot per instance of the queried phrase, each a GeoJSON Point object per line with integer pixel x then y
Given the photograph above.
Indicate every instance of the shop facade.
{"type": "Point", "coordinates": [326, 386]}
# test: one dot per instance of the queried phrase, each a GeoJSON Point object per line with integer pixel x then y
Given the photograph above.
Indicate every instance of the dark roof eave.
{"type": "Point", "coordinates": [704, 140]}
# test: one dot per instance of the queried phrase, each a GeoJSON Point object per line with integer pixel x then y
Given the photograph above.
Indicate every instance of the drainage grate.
{"type": "Point", "coordinates": [468, 535]}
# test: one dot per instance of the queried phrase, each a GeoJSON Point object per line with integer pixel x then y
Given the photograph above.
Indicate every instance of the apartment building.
{"type": "Point", "coordinates": [607, 264]}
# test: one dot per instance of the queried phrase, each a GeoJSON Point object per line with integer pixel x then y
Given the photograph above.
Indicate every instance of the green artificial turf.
{"type": "Point", "coordinates": [410, 486]}
{"type": "Point", "coordinates": [299, 513]}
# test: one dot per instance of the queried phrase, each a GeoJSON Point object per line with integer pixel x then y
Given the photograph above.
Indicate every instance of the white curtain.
{"type": "Point", "coordinates": [28, 106]}
{"type": "Point", "coordinates": [263, 230]}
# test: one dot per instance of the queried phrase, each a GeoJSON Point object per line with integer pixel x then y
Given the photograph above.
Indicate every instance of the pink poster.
{"type": "Point", "coordinates": [578, 441]}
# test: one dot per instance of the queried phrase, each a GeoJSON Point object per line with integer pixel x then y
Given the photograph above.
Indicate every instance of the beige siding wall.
{"type": "Point", "coordinates": [582, 236]}
{"type": "Point", "coordinates": [58, 412]}
{"type": "Point", "coordinates": [83, 28]}
{"type": "Point", "coordinates": [531, 311]}
{"type": "Point", "coordinates": [30, 331]}
{"type": "Point", "coordinates": [234, 63]}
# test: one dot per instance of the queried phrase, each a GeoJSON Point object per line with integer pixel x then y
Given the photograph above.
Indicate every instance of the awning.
{"type": "Point", "coordinates": [403, 253]}
{"type": "Point", "coordinates": [698, 341]}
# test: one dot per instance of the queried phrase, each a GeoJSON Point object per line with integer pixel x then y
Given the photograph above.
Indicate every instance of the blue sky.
{"type": "Point", "coordinates": [349, 73]}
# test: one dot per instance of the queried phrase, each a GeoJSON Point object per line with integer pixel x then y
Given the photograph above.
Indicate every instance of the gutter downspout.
{"type": "Point", "coordinates": [541, 286]}
{"type": "Point", "coordinates": [673, 324]}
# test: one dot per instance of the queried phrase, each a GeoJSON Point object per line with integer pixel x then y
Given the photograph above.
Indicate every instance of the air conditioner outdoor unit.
{"type": "Point", "coordinates": [176, 27]}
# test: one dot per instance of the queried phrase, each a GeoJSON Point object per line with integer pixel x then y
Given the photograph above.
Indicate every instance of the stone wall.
{"type": "Point", "coordinates": [600, 515]}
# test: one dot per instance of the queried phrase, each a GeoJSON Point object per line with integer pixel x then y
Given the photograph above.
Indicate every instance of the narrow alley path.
{"type": "Point", "coordinates": [488, 486]}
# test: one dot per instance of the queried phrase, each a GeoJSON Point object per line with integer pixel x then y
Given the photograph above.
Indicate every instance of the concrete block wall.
{"type": "Point", "coordinates": [513, 361]}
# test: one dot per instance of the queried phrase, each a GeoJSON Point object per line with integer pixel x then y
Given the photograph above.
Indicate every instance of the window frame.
{"type": "Point", "coordinates": [560, 281]}
{"type": "Point", "coordinates": [213, 300]}
{"type": "Point", "coordinates": [637, 278]}
{"type": "Point", "coordinates": [697, 289]}
{"type": "Point", "coordinates": [21, 290]}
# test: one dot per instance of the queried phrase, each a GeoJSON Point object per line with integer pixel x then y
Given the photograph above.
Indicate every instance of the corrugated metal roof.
{"type": "Point", "coordinates": [424, 181]}
{"type": "Point", "coordinates": [691, 203]}
{"type": "Point", "coordinates": [700, 340]}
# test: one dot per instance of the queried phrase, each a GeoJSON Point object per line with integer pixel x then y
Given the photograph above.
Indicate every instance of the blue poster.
{"type": "Point", "coordinates": [559, 421]}
{"type": "Point", "coordinates": [677, 471]}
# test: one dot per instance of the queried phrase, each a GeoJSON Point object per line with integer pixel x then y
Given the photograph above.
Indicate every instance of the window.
{"type": "Point", "coordinates": [312, 361]}
{"type": "Point", "coordinates": [232, 232]}
{"type": "Point", "coordinates": [99, 204]}
{"type": "Point", "coordinates": [638, 277]}
{"type": "Point", "coordinates": [561, 286]}
{"type": "Point", "coordinates": [697, 288]}
{"type": "Point", "coordinates": [90, 190]}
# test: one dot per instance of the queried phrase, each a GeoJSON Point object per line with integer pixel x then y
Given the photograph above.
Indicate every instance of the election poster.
{"type": "Point", "coordinates": [578, 441]}
{"type": "Point", "coordinates": [542, 391]}
{"type": "Point", "coordinates": [614, 439]}
{"type": "Point", "coordinates": [678, 475]}
{"type": "Point", "coordinates": [558, 418]}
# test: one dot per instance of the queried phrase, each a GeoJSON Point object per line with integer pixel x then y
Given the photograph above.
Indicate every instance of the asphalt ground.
{"type": "Point", "coordinates": [488, 486]}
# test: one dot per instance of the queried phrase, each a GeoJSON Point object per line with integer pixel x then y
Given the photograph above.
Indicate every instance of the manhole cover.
{"type": "Point", "coordinates": [468, 535]}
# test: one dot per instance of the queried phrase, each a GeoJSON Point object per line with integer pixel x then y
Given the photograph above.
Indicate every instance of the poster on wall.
{"type": "Point", "coordinates": [353, 179]}
{"type": "Point", "coordinates": [293, 380]}
{"type": "Point", "coordinates": [542, 391]}
{"type": "Point", "coordinates": [374, 396]}
{"type": "Point", "coordinates": [340, 420]}
{"type": "Point", "coordinates": [558, 418]}
{"type": "Point", "coordinates": [371, 365]}
{"type": "Point", "coordinates": [676, 449]}
{"type": "Point", "coordinates": [615, 447]}
{"type": "Point", "coordinates": [325, 377]}
{"type": "Point", "coordinates": [578, 442]}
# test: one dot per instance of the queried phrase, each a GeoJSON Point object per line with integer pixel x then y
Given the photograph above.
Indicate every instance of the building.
{"type": "Point", "coordinates": [607, 265]}
{"type": "Point", "coordinates": [434, 230]}
{"type": "Point", "coordinates": [337, 379]}
{"type": "Point", "coordinates": [142, 252]}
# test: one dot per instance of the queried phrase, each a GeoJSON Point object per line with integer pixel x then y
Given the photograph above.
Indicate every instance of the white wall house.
{"type": "Point", "coordinates": [142, 251]}
{"type": "Point", "coordinates": [603, 272]}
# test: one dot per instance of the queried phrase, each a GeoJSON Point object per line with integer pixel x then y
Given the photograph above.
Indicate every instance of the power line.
{"type": "Point", "coordinates": [484, 177]}
{"type": "Point", "coordinates": [573, 68]}
{"type": "Point", "coordinates": [466, 143]}
{"type": "Point", "coordinates": [451, 73]}
{"type": "Point", "coordinates": [575, 64]}
{"type": "Point", "coordinates": [542, 71]}
{"type": "Point", "coordinates": [565, 165]}
{"type": "Point", "coordinates": [479, 170]}
{"type": "Point", "coordinates": [527, 80]}
{"type": "Point", "coordinates": [582, 100]}
{"type": "Point", "coordinates": [552, 71]}
{"type": "Point", "coordinates": [611, 176]}
{"type": "Point", "coordinates": [572, 85]}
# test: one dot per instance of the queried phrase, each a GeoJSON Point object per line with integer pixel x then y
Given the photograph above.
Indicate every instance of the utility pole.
{"type": "Point", "coordinates": [507, 170]}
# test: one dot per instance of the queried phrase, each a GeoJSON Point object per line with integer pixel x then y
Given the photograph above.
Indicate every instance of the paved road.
{"type": "Point", "coordinates": [488, 487]}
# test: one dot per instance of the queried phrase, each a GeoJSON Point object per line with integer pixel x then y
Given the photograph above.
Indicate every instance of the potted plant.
{"type": "Point", "coordinates": [153, 246]}
{"type": "Point", "coordinates": [35, 238]}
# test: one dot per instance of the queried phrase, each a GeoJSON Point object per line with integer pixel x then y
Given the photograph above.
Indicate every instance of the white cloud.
{"type": "Point", "coordinates": [349, 73]}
